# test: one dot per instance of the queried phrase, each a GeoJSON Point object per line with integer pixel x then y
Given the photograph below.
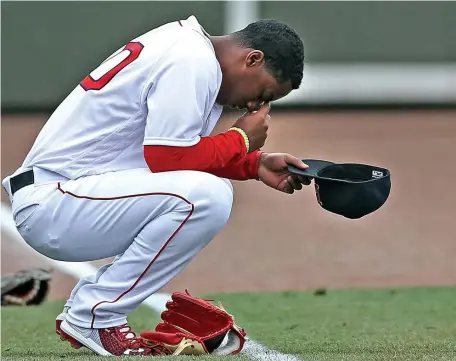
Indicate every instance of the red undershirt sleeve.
{"type": "Point", "coordinates": [223, 155]}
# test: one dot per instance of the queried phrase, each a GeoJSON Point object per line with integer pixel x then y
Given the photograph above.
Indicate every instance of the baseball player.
{"type": "Point", "coordinates": [126, 166]}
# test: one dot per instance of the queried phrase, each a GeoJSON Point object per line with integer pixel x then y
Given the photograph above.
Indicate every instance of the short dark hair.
{"type": "Point", "coordinates": [282, 47]}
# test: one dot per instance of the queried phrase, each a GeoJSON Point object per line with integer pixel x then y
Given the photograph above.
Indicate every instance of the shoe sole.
{"type": "Point", "coordinates": [74, 343]}
{"type": "Point", "coordinates": [67, 331]}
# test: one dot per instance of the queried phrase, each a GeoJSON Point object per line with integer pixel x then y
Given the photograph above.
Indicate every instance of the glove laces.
{"type": "Point", "coordinates": [204, 299]}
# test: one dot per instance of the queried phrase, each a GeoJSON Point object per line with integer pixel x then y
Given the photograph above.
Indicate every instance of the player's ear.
{"type": "Point", "coordinates": [254, 58]}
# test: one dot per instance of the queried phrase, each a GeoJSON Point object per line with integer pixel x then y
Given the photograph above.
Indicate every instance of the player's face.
{"type": "Point", "coordinates": [251, 84]}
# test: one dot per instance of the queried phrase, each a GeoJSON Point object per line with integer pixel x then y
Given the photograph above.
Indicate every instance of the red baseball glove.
{"type": "Point", "coordinates": [193, 326]}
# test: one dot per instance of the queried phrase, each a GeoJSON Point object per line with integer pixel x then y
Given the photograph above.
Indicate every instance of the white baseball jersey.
{"type": "Point", "coordinates": [159, 89]}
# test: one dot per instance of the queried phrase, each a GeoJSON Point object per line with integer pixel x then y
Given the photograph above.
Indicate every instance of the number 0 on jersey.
{"type": "Point", "coordinates": [108, 69]}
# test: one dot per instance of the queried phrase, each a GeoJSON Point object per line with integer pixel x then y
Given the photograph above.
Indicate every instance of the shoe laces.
{"type": "Point", "coordinates": [134, 342]}
{"type": "Point", "coordinates": [129, 336]}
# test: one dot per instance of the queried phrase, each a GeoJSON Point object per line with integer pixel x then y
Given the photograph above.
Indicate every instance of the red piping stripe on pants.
{"type": "Point", "coordinates": [159, 252]}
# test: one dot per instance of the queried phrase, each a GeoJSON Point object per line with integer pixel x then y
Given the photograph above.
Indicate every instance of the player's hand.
{"type": "Point", "coordinates": [255, 125]}
{"type": "Point", "coordinates": [273, 171]}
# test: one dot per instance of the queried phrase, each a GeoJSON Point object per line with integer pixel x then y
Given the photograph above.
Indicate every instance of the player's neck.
{"type": "Point", "coordinates": [225, 49]}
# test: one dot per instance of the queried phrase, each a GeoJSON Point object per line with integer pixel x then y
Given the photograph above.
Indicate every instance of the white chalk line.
{"type": "Point", "coordinates": [252, 349]}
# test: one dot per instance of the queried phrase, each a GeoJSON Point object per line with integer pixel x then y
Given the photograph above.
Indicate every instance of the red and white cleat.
{"type": "Point", "coordinates": [58, 321]}
{"type": "Point", "coordinates": [113, 341]}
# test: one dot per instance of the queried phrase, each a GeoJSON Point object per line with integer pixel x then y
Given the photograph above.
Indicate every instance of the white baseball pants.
{"type": "Point", "coordinates": [153, 223]}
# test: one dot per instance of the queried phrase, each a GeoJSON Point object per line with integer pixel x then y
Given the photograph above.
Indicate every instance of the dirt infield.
{"type": "Point", "coordinates": [275, 241]}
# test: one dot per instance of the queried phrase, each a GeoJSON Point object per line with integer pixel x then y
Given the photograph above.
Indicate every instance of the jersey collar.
{"type": "Point", "coordinates": [193, 23]}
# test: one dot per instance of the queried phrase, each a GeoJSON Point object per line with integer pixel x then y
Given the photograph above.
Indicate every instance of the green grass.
{"type": "Point", "coordinates": [403, 324]}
